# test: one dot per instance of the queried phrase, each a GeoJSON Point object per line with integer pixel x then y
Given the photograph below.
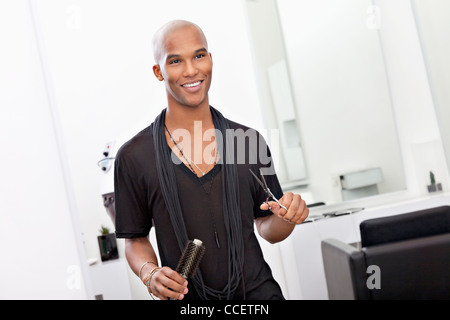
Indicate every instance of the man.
{"type": "Point", "coordinates": [187, 186]}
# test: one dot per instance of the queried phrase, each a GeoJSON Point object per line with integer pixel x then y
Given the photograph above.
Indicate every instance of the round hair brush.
{"type": "Point", "coordinates": [190, 259]}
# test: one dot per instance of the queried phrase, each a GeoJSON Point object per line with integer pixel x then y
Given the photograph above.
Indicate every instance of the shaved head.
{"type": "Point", "coordinates": [166, 30]}
{"type": "Point", "coordinates": [184, 63]}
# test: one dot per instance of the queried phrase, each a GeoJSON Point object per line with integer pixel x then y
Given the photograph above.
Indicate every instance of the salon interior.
{"type": "Point", "coordinates": [351, 95]}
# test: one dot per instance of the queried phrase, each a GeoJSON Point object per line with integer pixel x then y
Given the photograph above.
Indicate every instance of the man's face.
{"type": "Point", "coordinates": [186, 67]}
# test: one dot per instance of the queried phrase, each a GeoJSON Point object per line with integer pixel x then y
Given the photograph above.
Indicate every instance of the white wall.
{"type": "Point", "coordinates": [434, 28]}
{"type": "Point", "coordinates": [41, 247]}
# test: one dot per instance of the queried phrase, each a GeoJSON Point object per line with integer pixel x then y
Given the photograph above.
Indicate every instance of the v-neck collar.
{"type": "Point", "coordinates": [189, 172]}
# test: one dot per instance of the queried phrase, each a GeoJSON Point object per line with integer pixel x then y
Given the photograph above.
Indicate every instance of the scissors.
{"type": "Point", "coordinates": [269, 193]}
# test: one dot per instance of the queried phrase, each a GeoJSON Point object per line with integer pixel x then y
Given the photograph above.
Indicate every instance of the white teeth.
{"type": "Point", "coordinates": [190, 85]}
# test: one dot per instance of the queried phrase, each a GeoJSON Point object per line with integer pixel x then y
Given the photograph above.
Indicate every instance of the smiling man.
{"type": "Point", "coordinates": [212, 198]}
{"type": "Point", "coordinates": [187, 80]}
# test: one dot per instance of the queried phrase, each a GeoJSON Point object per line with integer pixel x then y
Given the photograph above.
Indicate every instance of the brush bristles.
{"type": "Point", "coordinates": [190, 259]}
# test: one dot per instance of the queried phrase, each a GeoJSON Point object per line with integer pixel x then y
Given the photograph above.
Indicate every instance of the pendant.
{"type": "Point", "coordinates": [217, 239]}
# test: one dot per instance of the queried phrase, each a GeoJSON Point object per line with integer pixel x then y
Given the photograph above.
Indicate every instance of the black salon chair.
{"type": "Point", "coordinates": [405, 256]}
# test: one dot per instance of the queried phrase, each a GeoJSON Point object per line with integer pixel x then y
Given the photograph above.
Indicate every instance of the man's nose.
{"type": "Point", "coordinates": [190, 69]}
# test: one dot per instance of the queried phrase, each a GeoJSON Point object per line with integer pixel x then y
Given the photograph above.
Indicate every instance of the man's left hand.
{"type": "Point", "coordinates": [297, 211]}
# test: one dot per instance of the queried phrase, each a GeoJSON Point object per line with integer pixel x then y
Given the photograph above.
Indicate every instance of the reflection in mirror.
{"type": "Point", "coordinates": [340, 95]}
{"type": "Point", "coordinates": [277, 98]}
{"type": "Point", "coordinates": [433, 25]}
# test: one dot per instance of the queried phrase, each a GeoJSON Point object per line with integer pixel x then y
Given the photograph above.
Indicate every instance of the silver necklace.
{"type": "Point", "coordinates": [188, 160]}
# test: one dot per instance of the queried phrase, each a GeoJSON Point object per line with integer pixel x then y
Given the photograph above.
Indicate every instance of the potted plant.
{"type": "Point", "coordinates": [107, 244]}
{"type": "Point", "coordinates": [433, 186]}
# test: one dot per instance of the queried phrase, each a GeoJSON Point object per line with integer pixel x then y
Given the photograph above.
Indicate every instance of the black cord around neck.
{"type": "Point", "coordinates": [231, 206]}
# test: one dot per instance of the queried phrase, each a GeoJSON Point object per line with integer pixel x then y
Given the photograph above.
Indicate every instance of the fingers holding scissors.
{"type": "Point", "coordinates": [291, 207]}
{"type": "Point", "coordinates": [295, 211]}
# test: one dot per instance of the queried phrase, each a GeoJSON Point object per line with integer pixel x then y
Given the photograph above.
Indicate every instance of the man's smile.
{"type": "Point", "coordinates": [192, 84]}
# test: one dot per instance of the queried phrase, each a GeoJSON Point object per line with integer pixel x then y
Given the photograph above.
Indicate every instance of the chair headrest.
{"type": "Point", "coordinates": [405, 226]}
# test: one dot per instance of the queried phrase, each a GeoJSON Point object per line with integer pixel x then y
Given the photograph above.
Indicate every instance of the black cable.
{"type": "Point", "coordinates": [231, 206]}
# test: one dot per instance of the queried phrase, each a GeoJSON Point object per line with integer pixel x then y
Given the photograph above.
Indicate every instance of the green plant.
{"type": "Point", "coordinates": [104, 230]}
{"type": "Point", "coordinates": [432, 179]}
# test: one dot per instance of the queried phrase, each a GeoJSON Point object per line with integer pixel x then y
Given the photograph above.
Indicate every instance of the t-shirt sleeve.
{"type": "Point", "coordinates": [133, 218]}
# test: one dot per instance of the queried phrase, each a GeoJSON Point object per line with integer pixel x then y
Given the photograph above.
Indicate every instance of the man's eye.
{"type": "Point", "coordinates": [199, 56]}
{"type": "Point", "coordinates": [175, 61]}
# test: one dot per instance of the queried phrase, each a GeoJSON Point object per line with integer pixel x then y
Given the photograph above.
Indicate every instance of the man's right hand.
{"type": "Point", "coordinates": [166, 284]}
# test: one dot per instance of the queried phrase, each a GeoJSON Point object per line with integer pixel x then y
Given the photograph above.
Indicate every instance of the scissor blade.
{"type": "Point", "coordinates": [264, 180]}
{"type": "Point", "coordinates": [257, 179]}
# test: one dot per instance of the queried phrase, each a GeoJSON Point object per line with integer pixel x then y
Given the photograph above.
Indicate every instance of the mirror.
{"type": "Point", "coordinates": [342, 104]}
{"type": "Point", "coordinates": [434, 28]}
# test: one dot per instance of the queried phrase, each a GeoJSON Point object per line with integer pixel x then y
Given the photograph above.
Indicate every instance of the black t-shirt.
{"type": "Point", "coordinates": [140, 205]}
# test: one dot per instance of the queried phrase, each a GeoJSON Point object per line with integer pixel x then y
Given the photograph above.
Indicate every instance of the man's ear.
{"type": "Point", "coordinates": [157, 72]}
